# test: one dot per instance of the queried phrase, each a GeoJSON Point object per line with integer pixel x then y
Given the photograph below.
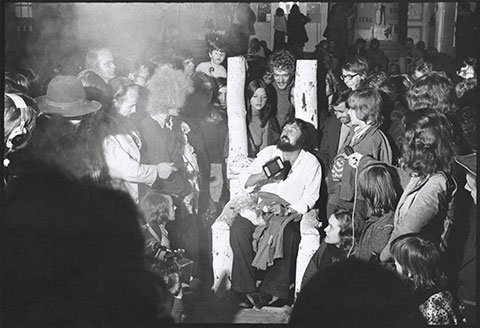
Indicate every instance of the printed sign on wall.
{"type": "Point", "coordinates": [377, 20]}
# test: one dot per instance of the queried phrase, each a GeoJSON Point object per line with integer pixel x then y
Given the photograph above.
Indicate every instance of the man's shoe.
{"type": "Point", "coordinates": [244, 303]}
{"type": "Point", "coordinates": [259, 299]}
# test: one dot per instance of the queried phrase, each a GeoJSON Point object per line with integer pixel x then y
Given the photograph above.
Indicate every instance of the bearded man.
{"type": "Point", "coordinates": [269, 249]}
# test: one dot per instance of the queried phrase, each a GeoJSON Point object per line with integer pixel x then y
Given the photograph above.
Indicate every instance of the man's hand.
{"type": "Point", "coordinates": [254, 179]}
{"type": "Point", "coordinates": [354, 159]}
{"type": "Point", "coordinates": [165, 169]}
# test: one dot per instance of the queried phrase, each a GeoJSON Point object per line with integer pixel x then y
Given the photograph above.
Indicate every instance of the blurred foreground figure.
{"type": "Point", "coordinates": [352, 293]}
{"type": "Point", "coordinates": [73, 256]}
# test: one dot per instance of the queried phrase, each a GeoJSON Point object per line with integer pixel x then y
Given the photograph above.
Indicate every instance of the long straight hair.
{"type": "Point", "coordinates": [380, 187]}
{"type": "Point", "coordinates": [420, 260]}
{"type": "Point", "coordinates": [266, 113]}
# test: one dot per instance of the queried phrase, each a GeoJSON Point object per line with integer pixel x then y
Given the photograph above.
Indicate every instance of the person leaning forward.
{"type": "Point", "coordinates": [289, 197]}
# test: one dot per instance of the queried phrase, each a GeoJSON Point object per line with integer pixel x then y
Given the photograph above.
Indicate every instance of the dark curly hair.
{"type": "Point", "coordinates": [284, 60]}
{"type": "Point", "coordinates": [434, 90]}
{"type": "Point", "coordinates": [344, 217]}
{"type": "Point", "coordinates": [427, 142]}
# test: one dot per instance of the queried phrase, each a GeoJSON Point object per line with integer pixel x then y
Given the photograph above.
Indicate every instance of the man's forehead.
{"type": "Point", "coordinates": [347, 72]}
{"type": "Point", "coordinates": [292, 126]}
{"type": "Point", "coordinates": [105, 55]}
{"type": "Point", "coordinates": [340, 107]}
{"type": "Point", "coordinates": [280, 71]}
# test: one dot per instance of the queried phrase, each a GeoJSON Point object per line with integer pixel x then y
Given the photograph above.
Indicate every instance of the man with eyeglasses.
{"type": "Point", "coordinates": [354, 70]}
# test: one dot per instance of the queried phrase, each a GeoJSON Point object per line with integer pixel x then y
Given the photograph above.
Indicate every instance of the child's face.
{"type": "Point", "coordinates": [217, 56]}
{"type": "Point", "coordinates": [333, 231]}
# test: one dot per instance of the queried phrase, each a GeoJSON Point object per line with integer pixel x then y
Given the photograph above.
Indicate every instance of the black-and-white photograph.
{"type": "Point", "coordinates": [302, 163]}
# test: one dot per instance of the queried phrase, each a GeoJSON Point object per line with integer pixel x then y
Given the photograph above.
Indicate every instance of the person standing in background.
{"type": "Point", "coordinates": [297, 35]}
{"type": "Point", "coordinates": [242, 27]}
{"type": "Point", "coordinates": [280, 27]}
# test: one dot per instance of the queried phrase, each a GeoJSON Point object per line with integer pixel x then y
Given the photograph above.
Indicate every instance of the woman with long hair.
{"type": "Point", "coordinates": [425, 171]}
{"type": "Point", "coordinates": [379, 185]}
{"type": "Point", "coordinates": [262, 126]}
{"type": "Point", "coordinates": [417, 260]}
{"type": "Point", "coordinates": [341, 241]}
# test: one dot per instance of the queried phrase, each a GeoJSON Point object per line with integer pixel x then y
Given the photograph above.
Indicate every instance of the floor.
{"type": "Point", "coordinates": [267, 314]}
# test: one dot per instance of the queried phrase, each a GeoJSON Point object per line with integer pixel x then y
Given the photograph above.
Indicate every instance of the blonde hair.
{"type": "Point", "coordinates": [168, 88]}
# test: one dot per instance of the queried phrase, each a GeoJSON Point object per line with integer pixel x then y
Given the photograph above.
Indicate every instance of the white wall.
{"type": "Point", "coordinates": [264, 31]}
{"type": "Point", "coordinates": [445, 28]}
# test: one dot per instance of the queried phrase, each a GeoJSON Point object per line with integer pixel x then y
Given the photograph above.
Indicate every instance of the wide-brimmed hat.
{"type": "Point", "coordinates": [468, 162]}
{"type": "Point", "coordinates": [66, 96]}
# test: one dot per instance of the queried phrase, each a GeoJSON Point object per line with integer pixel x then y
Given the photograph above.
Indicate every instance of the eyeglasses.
{"type": "Point", "coordinates": [348, 76]}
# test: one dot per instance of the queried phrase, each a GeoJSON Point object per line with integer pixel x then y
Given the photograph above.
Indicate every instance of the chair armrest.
{"type": "Point", "coordinates": [309, 243]}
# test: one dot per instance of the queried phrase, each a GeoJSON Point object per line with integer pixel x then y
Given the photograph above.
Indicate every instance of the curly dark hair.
{"type": "Point", "coordinates": [434, 90]}
{"type": "Point", "coordinates": [427, 142]}
{"type": "Point", "coordinates": [284, 60]}
{"type": "Point", "coordinates": [347, 226]}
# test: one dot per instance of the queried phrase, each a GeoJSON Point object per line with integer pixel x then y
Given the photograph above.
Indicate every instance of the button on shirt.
{"type": "Point", "coordinates": [301, 187]}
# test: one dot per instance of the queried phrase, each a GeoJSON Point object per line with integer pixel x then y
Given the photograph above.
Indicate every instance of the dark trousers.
{"type": "Point", "coordinates": [279, 276]}
{"type": "Point", "coordinates": [279, 40]}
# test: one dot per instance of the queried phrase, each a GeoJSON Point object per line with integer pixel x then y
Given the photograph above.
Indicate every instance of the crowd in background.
{"type": "Point", "coordinates": [396, 152]}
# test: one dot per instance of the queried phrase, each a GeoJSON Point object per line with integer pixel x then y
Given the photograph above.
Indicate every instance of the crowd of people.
{"type": "Point", "coordinates": [124, 176]}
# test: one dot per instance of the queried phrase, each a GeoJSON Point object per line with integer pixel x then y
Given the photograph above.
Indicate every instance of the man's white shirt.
{"type": "Point", "coordinates": [301, 188]}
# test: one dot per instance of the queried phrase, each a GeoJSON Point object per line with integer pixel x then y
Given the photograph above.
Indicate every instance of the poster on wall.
{"type": "Point", "coordinates": [377, 20]}
{"type": "Point", "coordinates": [264, 12]}
{"type": "Point", "coordinates": [313, 11]}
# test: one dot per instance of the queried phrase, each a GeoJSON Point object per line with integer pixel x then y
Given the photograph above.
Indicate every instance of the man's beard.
{"type": "Point", "coordinates": [287, 146]}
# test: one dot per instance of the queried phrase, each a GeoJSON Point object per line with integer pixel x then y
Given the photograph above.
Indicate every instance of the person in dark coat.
{"type": "Point", "coordinates": [352, 294]}
{"type": "Point", "coordinates": [297, 35]}
{"type": "Point", "coordinates": [467, 274]}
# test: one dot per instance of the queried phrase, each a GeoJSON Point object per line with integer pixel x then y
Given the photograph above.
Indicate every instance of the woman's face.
{"type": "Point", "coordinates": [333, 231]}
{"type": "Point", "coordinates": [222, 96]}
{"type": "Point", "coordinates": [129, 104]}
{"type": "Point", "coordinates": [258, 100]}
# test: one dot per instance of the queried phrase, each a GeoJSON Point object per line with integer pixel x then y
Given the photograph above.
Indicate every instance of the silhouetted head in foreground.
{"type": "Point", "coordinates": [73, 256]}
{"type": "Point", "coordinates": [352, 293]}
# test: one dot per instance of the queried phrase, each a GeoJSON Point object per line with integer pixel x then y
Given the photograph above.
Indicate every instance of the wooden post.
{"type": "Point", "coordinates": [237, 125]}
{"type": "Point", "coordinates": [305, 93]}
{"type": "Point", "coordinates": [222, 254]}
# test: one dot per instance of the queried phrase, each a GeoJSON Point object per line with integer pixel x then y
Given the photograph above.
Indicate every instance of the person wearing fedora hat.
{"type": "Point", "coordinates": [62, 131]}
{"type": "Point", "coordinates": [66, 96]}
{"type": "Point", "coordinates": [467, 277]}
